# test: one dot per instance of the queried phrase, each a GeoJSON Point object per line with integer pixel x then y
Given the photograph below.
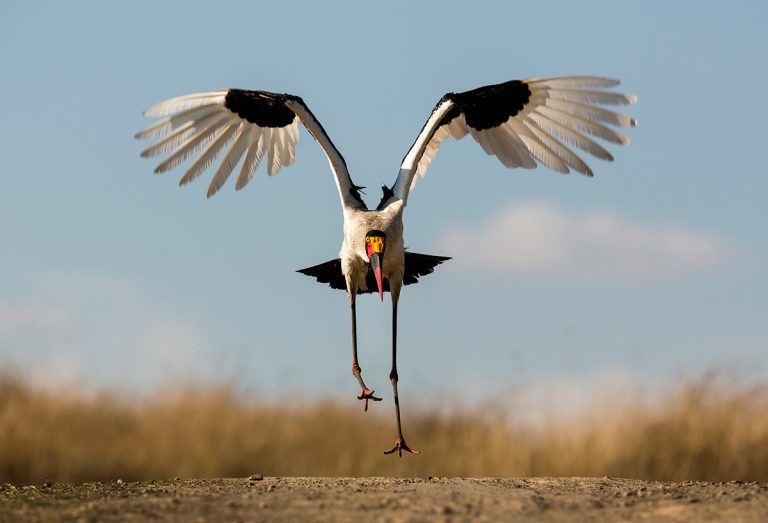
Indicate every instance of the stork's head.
{"type": "Point", "coordinates": [375, 242]}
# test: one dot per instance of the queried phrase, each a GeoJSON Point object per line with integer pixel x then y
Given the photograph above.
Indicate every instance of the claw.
{"type": "Point", "coordinates": [400, 446]}
{"type": "Point", "coordinates": [367, 394]}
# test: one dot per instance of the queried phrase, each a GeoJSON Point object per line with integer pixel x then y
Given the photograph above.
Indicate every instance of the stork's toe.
{"type": "Point", "coordinates": [367, 394]}
{"type": "Point", "coordinates": [400, 447]}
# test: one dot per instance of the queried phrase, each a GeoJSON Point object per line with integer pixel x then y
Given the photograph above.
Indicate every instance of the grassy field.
{"type": "Point", "coordinates": [701, 431]}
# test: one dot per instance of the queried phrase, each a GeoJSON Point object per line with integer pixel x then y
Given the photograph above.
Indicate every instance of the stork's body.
{"type": "Point", "coordinates": [521, 122]}
{"type": "Point", "coordinates": [354, 255]}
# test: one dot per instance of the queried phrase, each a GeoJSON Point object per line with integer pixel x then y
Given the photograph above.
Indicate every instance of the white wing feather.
{"type": "Point", "coordinates": [193, 144]}
{"type": "Point", "coordinates": [189, 101]}
{"type": "Point", "coordinates": [252, 157]}
{"type": "Point", "coordinates": [230, 160]}
{"type": "Point", "coordinates": [210, 153]}
{"type": "Point", "coordinates": [170, 123]}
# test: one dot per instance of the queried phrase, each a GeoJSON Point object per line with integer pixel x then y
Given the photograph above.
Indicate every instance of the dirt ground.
{"type": "Point", "coordinates": [570, 500]}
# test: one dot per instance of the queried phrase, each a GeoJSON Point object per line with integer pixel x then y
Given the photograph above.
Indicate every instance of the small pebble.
{"type": "Point", "coordinates": [256, 477]}
{"type": "Point", "coordinates": [119, 482]}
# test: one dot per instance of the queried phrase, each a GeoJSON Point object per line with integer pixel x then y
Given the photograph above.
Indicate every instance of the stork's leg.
{"type": "Point", "coordinates": [365, 393]}
{"type": "Point", "coordinates": [400, 444]}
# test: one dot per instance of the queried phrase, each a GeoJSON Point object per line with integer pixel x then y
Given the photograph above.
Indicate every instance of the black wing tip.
{"type": "Point", "coordinates": [262, 108]}
{"type": "Point", "coordinates": [490, 105]}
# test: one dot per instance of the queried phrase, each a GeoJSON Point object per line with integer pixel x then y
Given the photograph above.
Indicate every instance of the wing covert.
{"type": "Point", "coordinates": [524, 123]}
{"type": "Point", "coordinates": [246, 127]}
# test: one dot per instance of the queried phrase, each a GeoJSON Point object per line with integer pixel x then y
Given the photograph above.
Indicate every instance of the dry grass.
{"type": "Point", "coordinates": [702, 431]}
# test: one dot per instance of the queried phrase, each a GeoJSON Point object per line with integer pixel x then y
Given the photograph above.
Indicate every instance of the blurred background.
{"type": "Point", "coordinates": [148, 332]}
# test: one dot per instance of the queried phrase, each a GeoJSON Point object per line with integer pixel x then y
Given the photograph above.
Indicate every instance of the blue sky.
{"type": "Point", "coordinates": [114, 277]}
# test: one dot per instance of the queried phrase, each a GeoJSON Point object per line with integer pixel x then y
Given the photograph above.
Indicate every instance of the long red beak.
{"type": "Point", "coordinates": [375, 260]}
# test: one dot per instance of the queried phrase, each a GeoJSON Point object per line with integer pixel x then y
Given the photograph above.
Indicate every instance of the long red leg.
{"type": "Point", "coordinates": [400, 444]}
{"type": "Point", "coordinates": [365, 393]}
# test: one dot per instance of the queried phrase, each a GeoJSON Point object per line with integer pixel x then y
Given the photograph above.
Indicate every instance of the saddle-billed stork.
{"type": "Point", "coordinates": [521, 122]}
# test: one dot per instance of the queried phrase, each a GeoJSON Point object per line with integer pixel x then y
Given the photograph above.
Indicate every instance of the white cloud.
{"type": "Point", "coordinates": [538, 238]}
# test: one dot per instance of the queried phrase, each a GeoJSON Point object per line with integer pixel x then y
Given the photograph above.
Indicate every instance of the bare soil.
{"type": "Point", "coordinates": [571, 500]}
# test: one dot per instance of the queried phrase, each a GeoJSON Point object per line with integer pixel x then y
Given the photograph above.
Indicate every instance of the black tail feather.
{"type": "Point", "coordinates": [328, 272]}
{"type": "Point", "coordinates": [416, 266]}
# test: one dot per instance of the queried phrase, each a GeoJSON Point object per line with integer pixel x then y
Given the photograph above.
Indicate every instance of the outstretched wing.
{"type": "Point", "coordinates": [523, 122]}
{"type": "Point", "coordinates": [244, 125]}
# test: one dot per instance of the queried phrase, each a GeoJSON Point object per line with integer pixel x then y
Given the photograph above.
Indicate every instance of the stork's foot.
{"type": "Point", "coordinates": [401, 447]}
{"type": "Point", "coordinates": [367, 394]}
